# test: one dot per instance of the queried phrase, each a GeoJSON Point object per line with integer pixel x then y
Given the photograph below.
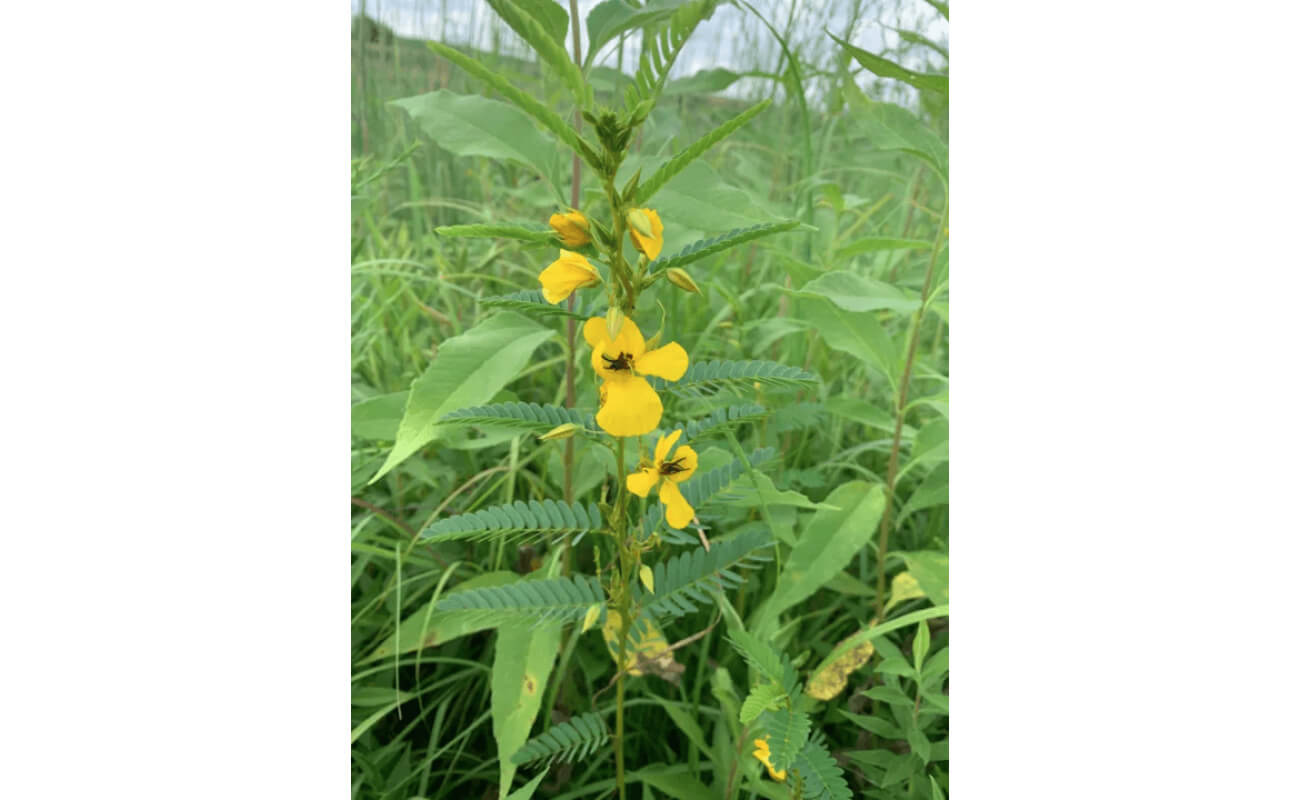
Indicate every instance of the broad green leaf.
{"type": "Point", "coordinates": [700, 199]}
{"type": "Point", "coordinates": [675, 781]}
{"type": "Point", "coordinates": [853, 292]}
{"type": "Point", "coordinates": [468, 371]}
{"type": "Point", "coordinates": [861, 411]}
{"type": "Point", "coordinates": [892, 127]}
{"type": "Point", "coordinates": [472, 125]}
{"type": "Point", "coordinates": [829, 541]}
{"type": "Point", "coordinates": [741, 493]}
{"type": "Point", "coordinates": [857, 333]}
{"type": "Point", "coordinates": [876, 244]}
{"type": "Point", "coordinates": [378, 417]}
{"type": "Point", "coordinates": [613, 17]}
{"type": "Point", "coordinates": [551, 15]}
{"type": "Point", "coordinates": [706, 81]}
{"type": "Point", "coordinates": [425, 627]}
{"type": "Point", "coordinates": [930, 569]}
{"type": "Point", "coordinates": [932, 492]}
{"type": "Point", "coordinates": [929, 448]}
{"type": "Point", "coordinates": [525, 792]}
{"type": "Point", "coordinates": [524, 657]}
{"type": "Point", "coordinates": [888, 69]}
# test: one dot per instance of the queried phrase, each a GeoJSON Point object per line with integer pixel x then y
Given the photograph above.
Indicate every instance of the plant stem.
{"type": "Point", "coordinates": [625, 622]}
{"type": "Point", "coordinates": [883, 549]}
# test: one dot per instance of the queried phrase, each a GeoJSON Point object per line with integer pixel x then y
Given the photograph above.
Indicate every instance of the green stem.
{"type": "Point", "coordinates": [915, 334]}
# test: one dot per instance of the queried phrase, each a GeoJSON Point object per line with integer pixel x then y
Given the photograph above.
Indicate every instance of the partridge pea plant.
{"type": "Point", "coordinates": [634, 557]}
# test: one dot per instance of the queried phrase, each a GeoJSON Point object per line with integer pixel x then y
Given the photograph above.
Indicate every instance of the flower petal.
{"type": "Point", "coordinates": [679, 511]}
{"type": "Point", "coordinates": [570, 271]}
{"type": "Point", "coordinates": [629, 340]}
{"type": "Point", "coordinates": [594, 331]}
{"type": "Point", "coordinates": [665, 444]}
{"type": "Point", "coordinates": [688, 460]}
{"type": "Point", "coordinates": [668, 362]}
{"type": "Point", "coordinates": [642, 481]}
{"type": "Point", "coordinates": [632, 408]}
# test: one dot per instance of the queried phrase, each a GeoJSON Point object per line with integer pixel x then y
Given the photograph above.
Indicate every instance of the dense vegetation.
{"type": "Point", "coordinates": [823, 483]}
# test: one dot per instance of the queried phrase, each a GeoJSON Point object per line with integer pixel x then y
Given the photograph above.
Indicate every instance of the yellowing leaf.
{"type": "Point", "coordinates": [593, 614]}
{"type": "Point", "coordinates": [647, 578]}
{"type": "Point", "coordinates": [903, 587]}
{"type": "Point", "coordinates": [832, 677]}
{"type": "Point", "coordinates": [647, 649]}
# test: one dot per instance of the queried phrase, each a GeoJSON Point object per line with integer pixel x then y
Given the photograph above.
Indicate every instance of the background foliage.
{"type": "Point", "coordinates": [837, 297]}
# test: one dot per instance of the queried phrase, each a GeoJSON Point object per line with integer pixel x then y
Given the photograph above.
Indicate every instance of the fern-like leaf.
{"type": "Point", "coordinates": [661, 50]}
{"type": "Point", "coordinates": [535, 109]}
{"type": "Point", "coordinates": [550, 50]}
{"type": "Point", "coordinates": [678, 162]}
{"type": "Point", "coordinates": [796, 416]}
{"type": "Point", "coordinates": [519, 416]}
{"type": "Point", "coordinates": [682, 581]}
{"type": "Point", "coordinates": [707, 247]}
{"type": "Point", "coordinates": [489, 231]}
{"type": "Point", "coordinates": [822, 777]}
{"type": "Point", "coordinates": [763, 697]}
{"type": "Point", "coordinates": [569, 741]}
{"type": "Point", "coordinates": [565, 599]}
{"type": "Point", "coordinates": [532, 520]}
{"type": "Point", "coordinates": [720, 420]}
{"type": "Point", "coordinates": [767, 662]}
{"type": "Point", "coordinates": [787, 731]}
{"type": "Point", "coordinates": [530, 301]}
{"type": "Point", "coordinates": [708, 378]}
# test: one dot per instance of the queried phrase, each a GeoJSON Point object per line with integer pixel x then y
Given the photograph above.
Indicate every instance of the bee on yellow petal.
{"type": "Point", "coordinates": [764, 754]}
{"type": "Point", "coordinates": [565, 274]}
{"type": "Point", "coordinates": [647, 231]}
{"type": "Point", "coordinates": [666, 474]}
{"type": "Point", "coordinates": [572, 227]}
{"type": "Point", "coordinates": [629, 405]}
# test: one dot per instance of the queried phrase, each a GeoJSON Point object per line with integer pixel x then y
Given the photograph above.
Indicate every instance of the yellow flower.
{"type": "Point", "coordinates": [666, 475]}
{"type": "Point", "coordinates": [568, 272]}
{"type": "Point", "coordinates": [651, 243]}
{"type": "Point", "coordinates": [762, 753]}
{"type": "Point", "coordinates": [629, 405]}
{"type": "Point", "coordinates": [572, 227]}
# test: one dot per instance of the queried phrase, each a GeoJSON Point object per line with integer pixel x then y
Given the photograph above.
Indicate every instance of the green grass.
{"type": "Point", "coordinates": [421, 721]}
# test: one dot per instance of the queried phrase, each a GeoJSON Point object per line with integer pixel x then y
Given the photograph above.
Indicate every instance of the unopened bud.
{"type": "Point", "coordinates": [562, 432]}
{"type": "Point", "coordinates": [679, 278]}
{"type": "Point", "coordinates": [614, 321]}
{"type": "Point", "coordinates": [640, 222]}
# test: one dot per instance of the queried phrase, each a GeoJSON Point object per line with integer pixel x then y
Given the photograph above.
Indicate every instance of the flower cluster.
{"type": "Point", "coordinates": [628, 405]}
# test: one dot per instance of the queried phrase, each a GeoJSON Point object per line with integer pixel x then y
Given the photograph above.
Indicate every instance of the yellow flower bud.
{"type": "Point", "coordinates": [639, 221]}
{"type": "Point", "coordinates": [593, 614]}
{"type": "Point", "coordinates": [679, 278]}
{"type": "Point", "coordinates": [573, 228]}
{"type": "Point", "coordinates": [647, 578]}
{"type": "Point", "coordinates": [614, 321]}
{"type": "Point", "coordinates": [561, 432]}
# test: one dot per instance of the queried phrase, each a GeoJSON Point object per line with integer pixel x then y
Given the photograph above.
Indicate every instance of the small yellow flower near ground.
{"type": "Point", "coordinates": [764, 754]}
{"type": "Point", "coordinates": [572, 227]}
{"type": "Point", "coordinates": [649, 243]}
{"type": "Point", "coordinates": [629, 405]}
{"type": "Point", "coordinates": [666, 475]}
{"type": "Point", "coordinates": [565, 274]}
